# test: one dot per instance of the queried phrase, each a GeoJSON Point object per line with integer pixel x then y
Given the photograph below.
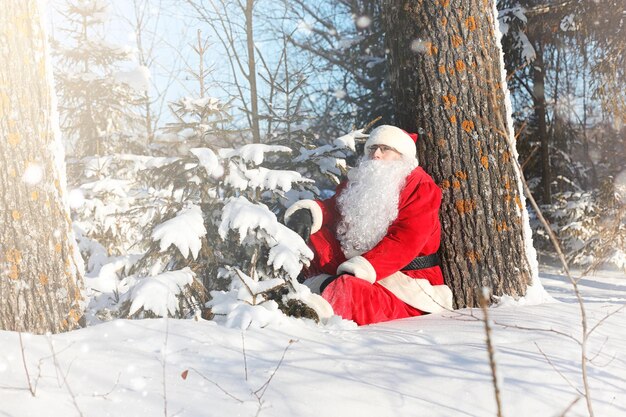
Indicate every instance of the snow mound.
{"type": "Point", "coordinates": [231, 312]}
{"type": "Point", "coordinates": [245, 305]}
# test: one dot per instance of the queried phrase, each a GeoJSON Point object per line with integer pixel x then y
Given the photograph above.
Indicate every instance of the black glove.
{"type": "Point", "coordinates": [300, 222]}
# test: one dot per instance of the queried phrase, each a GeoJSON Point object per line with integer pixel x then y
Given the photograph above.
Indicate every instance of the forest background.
{"type": "Point", "coordinates": [269, 101]}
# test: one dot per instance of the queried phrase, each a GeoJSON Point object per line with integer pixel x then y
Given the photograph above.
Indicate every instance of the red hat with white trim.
{"type": "Point", "coordinates": [394, 137]}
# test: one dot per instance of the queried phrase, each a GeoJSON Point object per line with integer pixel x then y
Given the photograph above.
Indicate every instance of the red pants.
{"type": "Point", "coordinates": [358, 300]}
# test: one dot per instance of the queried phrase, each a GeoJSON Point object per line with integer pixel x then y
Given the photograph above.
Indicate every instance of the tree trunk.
{"type": "Point", "coordinates": [448, 84]}
{"type": "Point", "coordinates": [539, 102]}
{"type": "Point", "coordinates": [254, 98]}
{"type": "Point", "coordinates": [39, 277]}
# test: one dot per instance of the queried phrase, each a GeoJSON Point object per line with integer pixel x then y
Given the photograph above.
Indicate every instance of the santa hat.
{"type": "Point", "coordinates": [394, 137]}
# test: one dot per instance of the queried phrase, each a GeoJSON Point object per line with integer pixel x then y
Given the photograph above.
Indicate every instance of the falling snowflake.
{"type": "Point", "coordinates": [340, 94]}
{"type": "Point", "coordinates": [33, 174]}
{"type": "Point", "coordinates": [419, 46]}
{"type": "Point", "coordinates": [76, 198]}
{"type": "Point", "coordinates": [363, 22]}
{"type": "Point", "coordinates": [304, 27]}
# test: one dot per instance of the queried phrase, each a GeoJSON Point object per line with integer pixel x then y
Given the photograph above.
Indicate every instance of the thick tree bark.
{"type": "Point", "coordinates": [39, 278]}
{"type": "Point", "coordinates": [447, 83]}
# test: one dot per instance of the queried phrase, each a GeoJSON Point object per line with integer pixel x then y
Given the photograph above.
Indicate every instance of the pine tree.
{"type": "Point", "coordinates": [40, 279]}
{"type": "Point", "coordinates": [97, 98]}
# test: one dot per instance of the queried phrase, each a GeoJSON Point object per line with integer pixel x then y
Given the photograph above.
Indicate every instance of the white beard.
{"type": "Point", "coordinates": [369, 204]}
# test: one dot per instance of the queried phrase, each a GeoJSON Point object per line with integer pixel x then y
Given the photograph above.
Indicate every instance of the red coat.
{"type": "Point", "coordinates": [415, 232]}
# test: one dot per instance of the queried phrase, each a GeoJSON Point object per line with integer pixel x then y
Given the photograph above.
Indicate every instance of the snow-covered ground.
{"type": "Point", "coordinates": [435, 365]}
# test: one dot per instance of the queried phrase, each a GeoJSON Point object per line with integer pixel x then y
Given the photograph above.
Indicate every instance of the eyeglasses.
{"type": "Point", "coordinates": [383, 149]}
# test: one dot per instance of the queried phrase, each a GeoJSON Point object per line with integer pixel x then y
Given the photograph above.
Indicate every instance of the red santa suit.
{"type": "Point", "coordinates": [375, 286]}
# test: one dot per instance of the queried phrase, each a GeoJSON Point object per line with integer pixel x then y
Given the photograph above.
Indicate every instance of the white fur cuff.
{"type": "Point", "coordinates": [313, 207]}
{"type": "Point", "coordinates": [359, 267]}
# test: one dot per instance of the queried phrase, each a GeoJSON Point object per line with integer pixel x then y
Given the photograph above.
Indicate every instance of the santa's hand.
{"type": "Point", "coordinates": [300, 222]}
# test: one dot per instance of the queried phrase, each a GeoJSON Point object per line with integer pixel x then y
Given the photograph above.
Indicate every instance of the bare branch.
{"type": "Point", "coordinates": [484, 301]}
{"type": "Point", "coordinates": [30, 386]}
{"type": "Point", "coordinates": [217, 385]}
{"type": "Point", "coordinates": [559, 372]}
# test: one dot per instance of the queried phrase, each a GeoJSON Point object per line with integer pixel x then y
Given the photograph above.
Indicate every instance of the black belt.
{"type": "Point", "coordinates": [422, 262]}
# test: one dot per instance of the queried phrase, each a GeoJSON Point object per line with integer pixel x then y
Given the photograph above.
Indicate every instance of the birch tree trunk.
{"type": "Point", "coordinates": [39, 279]}
{"type": "Point", "coordinates": [448, 84]}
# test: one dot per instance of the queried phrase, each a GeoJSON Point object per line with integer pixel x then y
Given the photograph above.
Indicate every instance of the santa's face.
{"type": "Point", "coordinates": [383, 153]}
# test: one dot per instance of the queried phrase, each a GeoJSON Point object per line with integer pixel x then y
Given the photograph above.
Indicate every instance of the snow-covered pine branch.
{"type": "Point", "coordinates": [255, 222]}
{"type": "Point", "coordinates": [184, 231]}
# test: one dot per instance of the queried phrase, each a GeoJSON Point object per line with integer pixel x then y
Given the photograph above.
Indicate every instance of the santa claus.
{"type": "Point", "coordinates": [376, 240]}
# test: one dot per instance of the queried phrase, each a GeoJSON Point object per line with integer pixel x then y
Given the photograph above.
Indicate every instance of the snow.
{"type": "Point", "coordinates": [76, 198]}
{"type": "Point", "coordinates": [569, 24]}
{"type": "Point", "coordinates": [348, 41]}
{"type": "Point", "coordinates": [436, 365]}
{"type": "Point", "coordinates": [184, 231]}
{"type": "Point", "coordinates": [158, 293]}
{"type": "Point", "coordinates": [526, 48]}
{"type": "Point", "coordinates": [243, 306]}
{"type": "Point", "coordinates": [206, 103]}
{"type": "Point", "coordinates": [208, 161]}
{"type": "Point", "coordinates": [363, 22]}
{"type": "Point", "coordinates": [528, 51]}
{"type": "Point", "coordinates": [287, 249]}
{"type": "Point", "coordinates": [420, 46]}
{"type": "Point", "coordinates": [109, 185]}
{"type": "Point", "coordinates": [236, 178]}
{"type": "Point", "coordinates": [97, 254]}
{"type": "Point", "coordinates": [33, 174]}
{"type": "Point", "coordinates": [348, 140]}
{"type": "Point", "coordinates": [274, 179]}
{"type": "Point", "coordinates": [340, 93]}
{"type": "Point", "coordinates": [238, 315]}
{"type": "Point", "coordinates": [242, 216]}
{"type": "Point", "coordinates": [104, 278]}
{"type": "Point", "coordinates": [253, 153]}
{"type": "Point", "coordinates": [138, 79]}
